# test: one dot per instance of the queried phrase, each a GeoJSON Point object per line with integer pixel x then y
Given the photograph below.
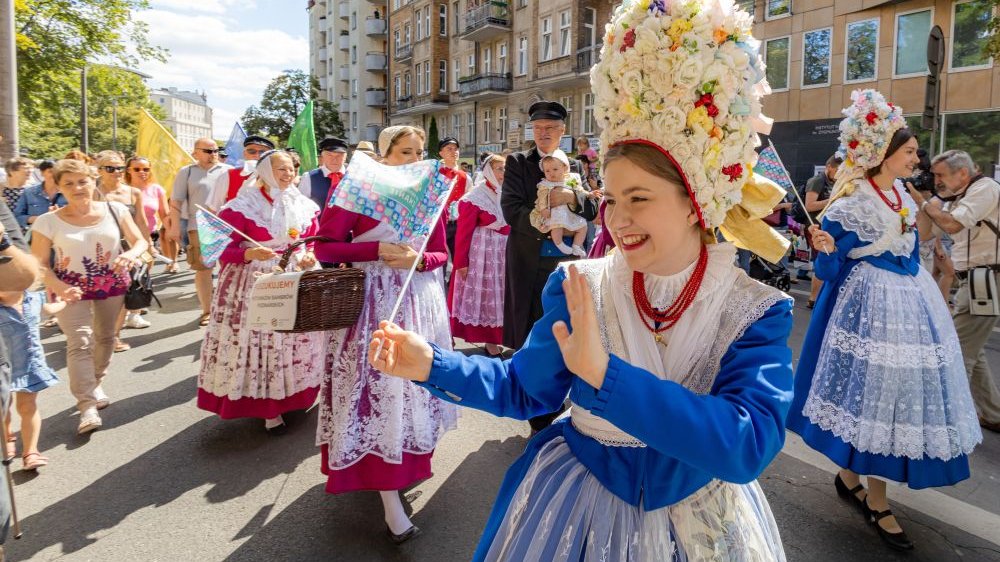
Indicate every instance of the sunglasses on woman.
{"type": "Point", "coordinates": [140, 170]}
{"type": "Point", "coordinates": [113, 169]}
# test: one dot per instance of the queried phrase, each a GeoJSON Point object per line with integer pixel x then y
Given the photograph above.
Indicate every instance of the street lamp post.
{"type": "Point", "coordinates": [85, 134]}
{"type": "Point", "coordinates": [8, 82]}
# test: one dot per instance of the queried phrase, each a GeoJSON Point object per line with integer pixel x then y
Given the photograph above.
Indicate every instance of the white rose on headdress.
{"type": "Point", "coordinates": [688, 75]}
{"type": "Point", "coordinates": [631, 83]}
{"type": "Point", "coordinates": [671, 120]}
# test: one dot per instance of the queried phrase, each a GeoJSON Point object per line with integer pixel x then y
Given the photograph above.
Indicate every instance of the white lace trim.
{"type": "Point", "coordinates": [601, 430]}
{"type": "Point", "coordinates": [887, 354]}
{"type": "Point", "coordinates": [291, 209]}
{"type": "Point", "coordinates": [891, 438]}
{"type": "Point", "coordinates": [488, 200]}
{"type": "Point", "coordinates": [865, 214]}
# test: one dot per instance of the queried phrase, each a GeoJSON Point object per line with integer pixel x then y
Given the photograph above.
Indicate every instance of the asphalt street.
{"type": "Point", "coordinates": [165, 481]}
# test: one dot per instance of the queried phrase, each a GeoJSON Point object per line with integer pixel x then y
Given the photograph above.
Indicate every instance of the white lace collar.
{"type": "Point", "coordinates": [290, 210]}
{"type": "Point", "coordinates": [662, 290]}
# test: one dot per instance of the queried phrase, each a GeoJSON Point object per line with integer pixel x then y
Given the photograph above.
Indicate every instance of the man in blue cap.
{"type": "Point", "coordinates": [319, 184]}
{"type": "Point", "coordinates": [531, 255]}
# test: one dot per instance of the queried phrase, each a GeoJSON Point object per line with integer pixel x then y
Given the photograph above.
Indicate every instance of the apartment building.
{"type": "Point", "coordinates": [348, 56]}
{"type": "Point", "coordinates": [818, 51]}
{"type": "Point", "coordinates": [475, 66]}
{"type": "Point", "coordinates": [188, 115]}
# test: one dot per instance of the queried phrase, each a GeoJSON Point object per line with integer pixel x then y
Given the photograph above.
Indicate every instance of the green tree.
{"type": "Point", "coordinates": [55, 38]}
{"type": "Point", "coordinates": [433, 137]}
{"type": "Point", "coordinates": [992, 46]}
{"type": "Point", "coordinates": [283, 100]}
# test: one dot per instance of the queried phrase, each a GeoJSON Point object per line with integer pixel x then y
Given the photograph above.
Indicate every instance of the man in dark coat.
{"type": "Point", "coordinates": [319, 184]}
{"type": "Point", "coordinates": [531, 255]}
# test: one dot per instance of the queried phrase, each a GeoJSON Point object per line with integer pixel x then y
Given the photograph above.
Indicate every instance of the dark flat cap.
{"type": "Point", "coordinates": [255, 139]}
{"type": "Point", "coordinates": [332, 144]}
{"type": "Point", "coordinates": [547, 110]}
{"type": "Point", "coordinates": [448, 140]}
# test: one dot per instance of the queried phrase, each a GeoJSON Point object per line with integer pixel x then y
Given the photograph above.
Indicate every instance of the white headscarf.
{"type": "Point", "coordinates": [291, 209]}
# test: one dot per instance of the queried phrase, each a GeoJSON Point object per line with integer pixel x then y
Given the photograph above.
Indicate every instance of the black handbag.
{"type": "Point", "coordinates": [140, 290]}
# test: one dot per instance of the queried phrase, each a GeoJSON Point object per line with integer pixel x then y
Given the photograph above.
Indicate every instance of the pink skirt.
{"type": "Point", "coordinates": [373, 473]}
{"type": "Point", "coordinates": [477, 300]}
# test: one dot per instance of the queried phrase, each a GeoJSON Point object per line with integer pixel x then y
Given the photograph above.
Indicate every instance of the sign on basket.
{"type": "Point", "coordinates": [274, 301]}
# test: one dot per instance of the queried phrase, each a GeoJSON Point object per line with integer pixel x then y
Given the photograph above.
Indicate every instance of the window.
{"type": "Point", "coordinates": [816, 58]}
{"type": "Point", "coordinates": [487, 59]}
{"type": "Point", "coordinates": [406, 34]}
{"type": "Point", "coordinates": [406, 84]}
{"type": "Point", "coordinates": [567, 102]}
{"type": "Point", "coordinates": [456, 125]}
{"type": "Point", "coordinates": [502, 122]}
{"type": "Point", "coordinates": [565, 19]}
{"type": "Point", "coordinates": [472, 65]}
{"type": "Point", "coordinates": [395, 39]}
{"type": "Point", "coordinates": [420, 80]}
{"type": "Point", "coordinates": [427, 21]}
{"type": "Point", "coordinates": [522, 3]}
{"type": "Point", "coordinates": [862, 51]}
{"type": "Point", "coordinates": [545, 44]}
{"type": "Point", "coordinates": [977, 133]}
{"type": "Point", "coordinates": [487, 123]}
{"type": "Point", "coordinates": [427, 77]}
{"type": "Point", "coordinates": [587, 123]}
{"type": "Point", "coordinates": [502, 59]}
{"type": "Point", "coordinates": [396, 83]}
{"type": "Point", "coordinates": [470, 123]}
{"type": "Point", "coordinates": [442, 76]}
{"type": "Point", "coordinates": [589, 27]}
{"type": "Point", "coordinates": [776, 59]}
{"type": "Point", "coordinates": [911, 42]}
{"type": "Point", "coordinates": [454, 75]}
{"type": "Point", "coordinates": [354, 20]}
{"type": "Point", "coordinates": [778, 9]}
{"type": "Point", "coordinates": [354, 88]}
{"type": "Point", "coordinates": [969, 34]}
{"type": "Point", "coordinates": [522, 56]}
{"type": "Point", "coordinates": [443, 20]}
{"type": "Point", "coordinates": [354, 121]}
{"type": "Point", "coordinates": [354, 54]}
{"type": "Point", "coordinates": [457, 28]}
{"type": "Point", "coordinates": [420, 28]}
{"type": "Point", "coordinates": [747, 5]}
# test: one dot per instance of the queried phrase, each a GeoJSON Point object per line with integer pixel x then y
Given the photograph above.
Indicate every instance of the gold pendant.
{"type": "Point", "coordinates": [659, 340]}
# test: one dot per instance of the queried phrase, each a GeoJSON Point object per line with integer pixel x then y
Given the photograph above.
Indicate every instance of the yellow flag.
{"type": "Point", "coordinates": [165, 154]}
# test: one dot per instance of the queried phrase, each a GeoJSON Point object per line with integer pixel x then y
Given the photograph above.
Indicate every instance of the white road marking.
{"type": "Point", "coordinates": [969, 518]}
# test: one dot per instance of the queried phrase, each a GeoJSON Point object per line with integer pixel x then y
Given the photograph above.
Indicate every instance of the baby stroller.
{"type": "Point", "coordinates": [769, 274]}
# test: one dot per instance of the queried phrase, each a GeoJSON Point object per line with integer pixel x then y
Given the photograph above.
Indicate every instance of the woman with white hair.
{"type": "Point", "coordinates": [245, 372]}
{"type": "Point", "coordinates": [378, 432]}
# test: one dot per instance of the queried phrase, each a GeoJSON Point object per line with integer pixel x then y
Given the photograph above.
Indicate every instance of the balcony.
{"type": "Point", "coordinates": [344, 10]}
{"type": "Point", "coordinates": [344, 73]}
{"type": "Point", "coordinates": [378, 2]}
{"type": "Point", "coordinates": [371, 132]}
{"type": "Point", "coordinates": [485, 86]}
{"type": "Point", "coordinates": [322, 82]}
{"type": "Point", "coordinates": [486, 22]}
{"type": "Point", "coordinates": [376, 62]}
{"type": "Point", "coordinates": [375, 27]}
{"type": "Point", "coordinates": [323, 53]}
{"type": "Point", "coordinates": [411, 105]}
{"type": "Point", "coordinates": [322, 25]}
{"type": "Point", "coordinates": [404, 53]}
{"type": "Point", "coordinates": [375, 97]}
{"type": "Point", "coordinates": [344, 42]}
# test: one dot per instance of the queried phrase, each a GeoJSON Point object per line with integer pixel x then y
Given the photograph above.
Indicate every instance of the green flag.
{"type": "Point", "coordinates": [303, 138]}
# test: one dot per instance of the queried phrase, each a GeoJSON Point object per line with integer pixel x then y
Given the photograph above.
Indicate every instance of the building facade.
{"type": "Point", "coordinates": [348, 57]}
{"type": "Point", "coordinates": [475, 66]}
{"type": "Point", "coordinates": [819, 51]}
{"type": "Point", "coordinates": [188, 115]}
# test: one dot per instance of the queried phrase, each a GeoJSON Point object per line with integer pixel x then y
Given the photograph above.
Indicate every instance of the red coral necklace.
{"type": "Point", "coordinates": [899, 199]}
{"type": "Point", "coordinates": [662, 320]}
{"type": "Point", "coordinates": [263, 191]}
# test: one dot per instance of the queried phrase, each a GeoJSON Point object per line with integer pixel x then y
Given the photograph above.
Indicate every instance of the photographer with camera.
{"type": "Point", "coordinates": [935, 244]}
{"type": "Point", "coordinates": [972, 219]}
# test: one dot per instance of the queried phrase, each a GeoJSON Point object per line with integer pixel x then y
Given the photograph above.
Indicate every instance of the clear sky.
{"type": "Point", "coordinates": [230, 49]}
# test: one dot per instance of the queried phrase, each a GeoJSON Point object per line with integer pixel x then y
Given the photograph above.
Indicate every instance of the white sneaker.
{"type": "Point", "coordinates": [133, 320]}
{"type": "Point", "coordinates": [89, 421]}
{"type": "Point", "coordinates": [579, 252]}
{"type": "Point", "coordinates": [564, 248]}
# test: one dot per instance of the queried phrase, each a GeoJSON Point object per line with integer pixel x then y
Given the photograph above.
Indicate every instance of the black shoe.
{"type": "Point", "coordinates": [851, 496]}
{"type": "Point", "coordinates": [277, 430]}
{"type": "Point", "coordinates": [895, 541]}
{"type": "Point", "coordinates": [406, 535]}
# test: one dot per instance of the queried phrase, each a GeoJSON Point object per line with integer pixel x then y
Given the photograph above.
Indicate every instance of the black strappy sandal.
{"type": "Point", "coordinates": [896, 541]}
{"type": "Point", "coordinates": [851, 495]}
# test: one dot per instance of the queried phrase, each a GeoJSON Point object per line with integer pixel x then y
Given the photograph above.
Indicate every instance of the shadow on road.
{"type": "Point", "coordinates": [319, 526]}
{"type": "Point", "coordinates": [232, 456]}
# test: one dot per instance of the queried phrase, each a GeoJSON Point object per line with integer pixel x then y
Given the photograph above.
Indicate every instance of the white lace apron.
{"type": "Point", "coordinates": [363, 411]}
{"type": "Point", "coordinates": [561, 511]}
{"type": "Point", "coordinates": [890, 378]}
{"type": "Point", "coordinates": [477, 299]}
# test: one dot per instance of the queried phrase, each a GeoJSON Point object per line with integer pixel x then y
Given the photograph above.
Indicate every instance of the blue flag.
{"type": "Point", "coordinates": [234, 146]}
{"type": "Point", "coordinates": [213, 236]}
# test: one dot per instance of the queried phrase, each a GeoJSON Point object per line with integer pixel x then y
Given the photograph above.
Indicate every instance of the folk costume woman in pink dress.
{"type": "Point", "coordinates": [477, 279]}
{"type": "Point", "coordinates": [249, 373]}
{"type": "Point", "coordinates": [378, 432]}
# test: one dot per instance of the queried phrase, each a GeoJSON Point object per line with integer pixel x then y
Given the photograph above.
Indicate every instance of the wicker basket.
{"type": "Point", "coordinates": [329, 299]}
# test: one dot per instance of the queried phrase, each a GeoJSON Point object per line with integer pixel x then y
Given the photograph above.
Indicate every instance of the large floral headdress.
{"type": "Point", "coordinates": [686, 77]}
{"type": "Point", "coordinates": [867, 129]}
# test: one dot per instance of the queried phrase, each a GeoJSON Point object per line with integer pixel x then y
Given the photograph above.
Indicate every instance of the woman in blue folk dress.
{"type": "Point", "coordinates": [881, 387]}
{"type": "Point", "coordinates": [677, 365]}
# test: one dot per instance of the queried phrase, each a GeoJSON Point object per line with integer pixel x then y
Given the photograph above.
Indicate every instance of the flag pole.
{"type": "Point", "coordinates": [791, 183]}
{"type": "Point", "coordinates": [216, 217]}
{"type": "Point", "coordinates": [413, 266]}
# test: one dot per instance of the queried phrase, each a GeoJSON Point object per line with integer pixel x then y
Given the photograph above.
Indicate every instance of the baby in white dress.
{"type": "Point", "coordinates": [558, 220]}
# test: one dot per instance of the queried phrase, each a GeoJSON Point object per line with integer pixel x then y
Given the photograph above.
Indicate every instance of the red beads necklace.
{"type": "Point", "coordinates": [662, 320]}
{"type": "Point", "coordinates": [263, 191]}
{"type": "Point", "coordinates": [899, 199]}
